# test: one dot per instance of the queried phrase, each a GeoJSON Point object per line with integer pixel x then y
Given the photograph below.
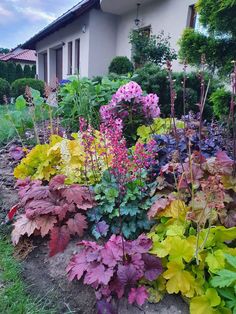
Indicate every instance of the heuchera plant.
{"type": "Point", "coordinates": [114, 269]}
{"type": "Point", "coordinates": [56, 209]}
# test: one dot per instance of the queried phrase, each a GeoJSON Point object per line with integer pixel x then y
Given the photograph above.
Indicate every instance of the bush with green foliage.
{"type": "Point", "coordinates": [18, 86]}
{"type": "Point", "coordinates": [33, 71]}
{"type": "Point", "coordinates": [155, 49]}
{"type": "Point", "coordinates": [84, 97]}
{"type": "Point", "coordinates": [121, 65]}
{"type": "Point", "coordinates": [219, 44]}
{"type": "Point", "coordinates": [27, 71]}
{"type": "Point", "coordinates": [153, 79]}
{"type": "Point", "coordinates": [4, 90]}
{"type": "Point", "coordinates": [3, 70]}
{"type": "Point", "coordinates": [19, 72]}
{"type": "Point", "coordinates": [220, 100]}
{"type": "Point", "coordinates": [11, 72]}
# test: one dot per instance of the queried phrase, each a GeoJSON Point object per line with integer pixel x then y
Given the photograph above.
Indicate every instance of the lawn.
{"type": "Point", "coordinates": [13, 295]}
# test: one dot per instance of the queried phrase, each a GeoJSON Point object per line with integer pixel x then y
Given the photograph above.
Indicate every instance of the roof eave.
{"type": "Point", "coordinates": [31, 43]}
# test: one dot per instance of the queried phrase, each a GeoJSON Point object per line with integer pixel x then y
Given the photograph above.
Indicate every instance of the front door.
{"type": "Point", "coordinates": [59, 64]}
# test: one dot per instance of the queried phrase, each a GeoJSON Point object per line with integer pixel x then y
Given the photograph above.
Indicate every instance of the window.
{"type": "Point", "coordinates": [77, 56]}
{"type": "Point", "coordinates": [193, 21]}
{"type": "Point", "coordinates": [70, 58]}
{"type": "Point", "coordinates": [192, 16]}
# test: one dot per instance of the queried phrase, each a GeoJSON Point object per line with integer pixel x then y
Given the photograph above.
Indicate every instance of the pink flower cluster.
{"type": "Point", "coordinates": [150, 106]}
{"type": "Point", "coordinates": [144, 155]}
{"type": "Point", "coordinates": [117, 147]}
{"type": "Point", "coordinates": [128, 92]}
{"type": "Point", "coordinates": [129, 98]}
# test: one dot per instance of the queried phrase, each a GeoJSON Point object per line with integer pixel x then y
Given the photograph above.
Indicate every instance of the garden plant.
{"type": "Point", "coordinates": [158, 196]}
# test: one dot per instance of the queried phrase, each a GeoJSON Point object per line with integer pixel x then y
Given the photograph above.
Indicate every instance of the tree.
{"type": "Point", "coordinates": [3, 70]}
{"type": "Point", "coordinates": [155, 49]}
{"type": "Point", "coordinates": [219, 44]}
{"type": "Point", "coordinates": [27, 71]}
{"type": "Point", "coordinates": [19, 71]}
{"type": "Point", "coordinates": [11, 72]}
{"type": "Point", "coordinates": [33, 71]}
{"type": "Point", "coordinates": [4, 50]}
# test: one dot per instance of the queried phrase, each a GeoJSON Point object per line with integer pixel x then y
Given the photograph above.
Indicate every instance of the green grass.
{"type": "Point", "coordinates": [13, 296]}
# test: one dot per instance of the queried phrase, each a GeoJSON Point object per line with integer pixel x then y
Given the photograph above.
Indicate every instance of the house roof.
{"type": "Point", "coordinates": [80, 8]}
{"type": "Point", "coordinates": [19, 55]}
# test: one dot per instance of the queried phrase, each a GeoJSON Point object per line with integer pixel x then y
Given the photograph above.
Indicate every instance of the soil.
{"type": "Point", "coordinates": [46, 278]}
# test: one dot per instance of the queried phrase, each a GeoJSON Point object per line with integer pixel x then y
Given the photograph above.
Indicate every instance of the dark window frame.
{"type": "Point", "coordinates": [70, 56]}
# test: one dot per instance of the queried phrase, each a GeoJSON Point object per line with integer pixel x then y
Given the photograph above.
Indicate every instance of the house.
{"type": "Point", "coordinates": [86, 38]}
{"type": "Point", "coordinates": [20, 56]}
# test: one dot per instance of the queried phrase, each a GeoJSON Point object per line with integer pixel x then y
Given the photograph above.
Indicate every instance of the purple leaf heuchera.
{"type": "Point", "coordinates": [116, 267]}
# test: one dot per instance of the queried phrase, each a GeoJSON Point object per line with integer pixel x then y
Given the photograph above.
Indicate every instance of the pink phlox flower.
{"type": "Point", "coordinates": [150, 106]}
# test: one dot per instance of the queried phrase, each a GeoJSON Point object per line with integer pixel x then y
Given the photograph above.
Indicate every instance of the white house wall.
{"type": "Point", "coordinates": [102, 48]}
{"type": "Point", "coordinates": [168, 15]}
{"type": "Point", "coordinates": [78, 29]}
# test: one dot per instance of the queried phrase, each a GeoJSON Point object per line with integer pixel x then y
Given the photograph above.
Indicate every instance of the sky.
{"type": "Point", "coordinates": [22, 19]}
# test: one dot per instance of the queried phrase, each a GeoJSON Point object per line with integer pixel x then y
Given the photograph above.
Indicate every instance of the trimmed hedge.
{"type": "Point", "coordinates": [153, 79]}
{"type": "Point", "coordinates": [18, 86]}
{"type": "Point", "coordinates": [121, 65]}
{"type": "Point", "coordinates": [4, 90]}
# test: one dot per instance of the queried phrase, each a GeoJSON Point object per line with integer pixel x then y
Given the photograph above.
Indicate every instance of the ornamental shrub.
{"type": "Point", "coordinates": [27, 71]}
{"type": "Point", "coordinates": [19, 71]}
{"type": "Point", "coordinates": [11, 72]}
{"type": "Point", "coordinates": [33, 71]}
{"type": "Point", "coordinates": [3, 70]}
{"type": "Point", "coordinates": [121, 65]}
{"type": "Point", "coordinates": [18, 86]}
{"type": "Point", "coordinates": [220, 100]}
{"type": "Point", "coordinates": [4, 89]}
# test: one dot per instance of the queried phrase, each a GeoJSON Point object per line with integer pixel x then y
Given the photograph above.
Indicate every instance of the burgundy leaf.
{"type": "Point", "coordinates": [39, 207]}
{"type": "Point", "coordinates": [98, 274]}
{"type": "Point", "coordinates": [77, 225]}
{"type": "Point", "coordinates": [13, 211]}
{"type": "Point", "coordinates": [153, 267]}
{"type": "Point", "coordinates": [36, 193]}
{"type": "Point", "coordinates": [158, 206]}
{"type": "Point", "coordinates": [59, 239]}
{"type": "Point", "coordinates": [57, 182]}
{"type": "Point", "coordinates": [77, 266]}
{"type": "Point", "coordinates": [230, 219]}
{"type": "Point", "coordinates": [45, 223]}
{"type": "Point", "coordinates": [127, 274]}
{"type": "Point", "coordinates": [138, 295]}
{"type": "Point", "coordinates": [142, 245]}
{"type": "Point", "coordinates": [224, 163]}
{"type": "Point", "coordinates": [80, 195]}
{"type": "Point", "coordinates": [112, 252]}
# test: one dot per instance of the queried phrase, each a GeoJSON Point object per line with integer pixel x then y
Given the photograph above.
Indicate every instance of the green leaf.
{"type": "Point", "coordinates": [20, 103]}
{"type": "Point", "coordinates": [111, 194]}
{"type": "Point", "coordinates": [205, 304]}
{"type": "Point", "coordinates": [224, 278]}
{"type": "Point", "coordinates": [231, 260]}
{"type": "Point", "coordinates": [130, 209]}
{"type": "Point", "coordinates": [215, 260]}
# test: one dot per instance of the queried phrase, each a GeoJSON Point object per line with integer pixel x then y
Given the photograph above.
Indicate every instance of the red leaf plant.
{"type": "Point", "coordinates": [115, 268]}
{"type": "Point", "coordinates": [55, 209]}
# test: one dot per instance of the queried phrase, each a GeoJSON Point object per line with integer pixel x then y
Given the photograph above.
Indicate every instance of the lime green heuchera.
{"type": "Point", "coordinates": [159, 126]}
{"type": "Point", "coordinates": [67, 157]}
{"type": "Point", "coordinates": [191, 260]}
